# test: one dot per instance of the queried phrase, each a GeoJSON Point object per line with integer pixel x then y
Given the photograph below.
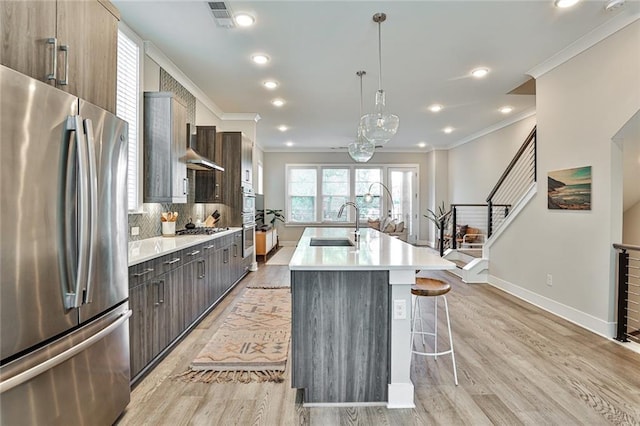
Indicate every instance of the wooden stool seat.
{"type": "Point", "coordinates": [430, 287]}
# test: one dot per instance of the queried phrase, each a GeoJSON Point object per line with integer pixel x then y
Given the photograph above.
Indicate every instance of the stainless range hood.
{"type": "Point", "coordinates": [195, 160]}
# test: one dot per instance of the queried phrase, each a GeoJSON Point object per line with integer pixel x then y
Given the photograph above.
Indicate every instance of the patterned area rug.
{"type": "Point", "coordinates": [282, 256]}
{"type": "Point", "coordinates": [251, 345]}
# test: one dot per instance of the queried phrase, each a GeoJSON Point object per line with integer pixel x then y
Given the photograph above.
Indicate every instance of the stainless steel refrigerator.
{"type": "Point", "coordinates": [64, 293]}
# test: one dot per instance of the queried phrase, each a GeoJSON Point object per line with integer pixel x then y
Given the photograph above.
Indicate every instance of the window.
{"type": "Point", "coordinates": [127, 106]}
{"type": "Point", "coordinates": [302, 189]}
{"type": "Point", "coordinates": [316, 193]}
{"type": "Point", "coordinates": [335, 192]}
{"type": "Point", "coordinates": [364, 179]}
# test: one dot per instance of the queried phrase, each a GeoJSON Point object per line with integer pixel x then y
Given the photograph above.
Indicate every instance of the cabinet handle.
{"type": "Point", "coordinates": [145, 272]}
{"type": "Point", "coordinates": [158, 299]}
{"type": "Point", "coordinates": [235, 250]}
{"type": "Point", "coordinates": [185, 186]}
{"type": "Point", "coordinates": [203, 269]}
{"type": "Point", "coordinates": [54, 58]}
{"type": "Point", "coordinates": [193, 253]}
{"type": "Point", "coordinates": [246, 172]}
{"type": "Point", "coordinates": [171, 262]}
{"type": "Point", "coordinates": [65, 81]}
{"type": "Point", "coordinates": [226, 256]}
{"type": "Point", "coordinates": [209, 247]}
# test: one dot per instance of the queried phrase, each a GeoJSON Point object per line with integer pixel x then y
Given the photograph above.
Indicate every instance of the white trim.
{"type": "Point", "coordinates": [487, 130]}
{"type": "Point", "coordinates": [590, 39]}
{"type": "Point", "coordinates": [241, 116]}
{"type": "Point", "coordinates": [344, 151]}
{"type": "Point", "coordinates": [400, 395]}
{"type": "Point", "coordinates": [591, 323]}
{"type": "Point", "coordinates": [342, 404]}
{"type": "Point", "coordinates": [520, 205]}
{"type": "Point", "coordinates": [163, 60]}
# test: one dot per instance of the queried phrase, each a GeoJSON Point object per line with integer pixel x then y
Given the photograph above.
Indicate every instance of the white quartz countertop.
{"type": "Point", "coordinates": [376, 250]}
{"type": "Point", "coordinates": [150, 248]}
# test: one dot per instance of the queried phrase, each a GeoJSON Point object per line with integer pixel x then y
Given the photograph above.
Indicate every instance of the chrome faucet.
{"type": "Point", "coordinates": [350, 203]}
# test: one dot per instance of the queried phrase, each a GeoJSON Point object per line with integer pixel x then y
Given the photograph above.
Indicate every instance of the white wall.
{"type": "Point", "coordinates": [631, 225]}
{"type": "Point", "coordinates": [475, 167]}
{"type": "Point", "coordinates": [581, 105]}
{"type": "Point", "coordinates": [274, 180]}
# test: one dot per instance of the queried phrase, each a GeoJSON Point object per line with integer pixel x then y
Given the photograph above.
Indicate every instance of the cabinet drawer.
{"type": "Point", "coordinates": [142, 272]}
{"type": "Point", "coordinates": [192, 253]}
{"type": "Point", "coordinates": [171, 261]}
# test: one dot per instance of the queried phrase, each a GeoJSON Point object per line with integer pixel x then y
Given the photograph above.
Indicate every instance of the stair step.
{"type": "Point", "coordinates": [460, 263]}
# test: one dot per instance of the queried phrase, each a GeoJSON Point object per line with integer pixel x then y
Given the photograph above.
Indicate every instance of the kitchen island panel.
{"type": "Point", "coordinates": [340, 335]}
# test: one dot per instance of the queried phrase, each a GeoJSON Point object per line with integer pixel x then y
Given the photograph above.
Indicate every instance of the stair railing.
{"type": "Point", "coordinates": [513, 184]}
{"type": "Point", "coordinates": [628, 278]}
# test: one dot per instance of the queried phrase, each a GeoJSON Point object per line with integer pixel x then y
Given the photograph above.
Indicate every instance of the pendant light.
{"type": "Point", "coordinates": [379, 127]}
{"type": "Point", "coordinates": [361, 150]}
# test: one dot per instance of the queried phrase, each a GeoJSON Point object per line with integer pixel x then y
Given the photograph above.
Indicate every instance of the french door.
{"type": "Point", "coordinates": [403, 184]}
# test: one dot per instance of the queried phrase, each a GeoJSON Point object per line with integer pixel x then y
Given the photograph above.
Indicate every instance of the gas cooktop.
{"type": "Point", "coordinates": [200, 231]}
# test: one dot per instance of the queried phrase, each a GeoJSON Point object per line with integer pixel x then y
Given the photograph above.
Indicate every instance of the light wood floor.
{"type": "Point", "coordinates": [516, 363]}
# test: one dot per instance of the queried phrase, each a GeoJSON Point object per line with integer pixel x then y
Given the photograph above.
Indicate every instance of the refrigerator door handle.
{"type": "Point", "coordinates": [93, 207]}
{"type": "Point", "coordinates": [76, 185]}
{"type": "Point", "coordinates": [58, 359]}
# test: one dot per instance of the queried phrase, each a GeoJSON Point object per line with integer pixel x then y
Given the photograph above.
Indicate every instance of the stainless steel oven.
{"type": "Point", "coordinates": [248, 200]}
{"type": "Point", "coordinates": [248, 236]}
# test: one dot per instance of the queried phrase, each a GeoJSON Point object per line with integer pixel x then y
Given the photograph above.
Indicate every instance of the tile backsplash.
{"type": "Point", "coordinates": [150, 224]}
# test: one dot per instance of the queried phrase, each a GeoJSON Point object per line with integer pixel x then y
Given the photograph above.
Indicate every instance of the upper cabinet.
{"type": "Point", "coordinates": [209, 182]}
{"type": "Point", "coordinates": [247, 161]}
{"type": "Point", "coordinates": [70, 44]}
{"type": "Point", "coordinates": [236, 153]}
{"type": "Point", "coordinates": [165, 149]}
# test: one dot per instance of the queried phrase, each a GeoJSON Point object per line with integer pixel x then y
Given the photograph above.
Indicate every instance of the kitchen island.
{"type": "Point", "coordinates": [351, 310]}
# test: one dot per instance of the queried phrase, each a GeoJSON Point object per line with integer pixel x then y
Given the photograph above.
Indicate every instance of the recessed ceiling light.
{"type": "Point", "coordinates": [506, 109]}
{"type": "Point", "coordinates": [422, 144]}
{"type": "Point", "coordinates": [260, 59]}
{"type": "Point", "coordinates": [283, 128]}
{"type": "Point", "coordinates": [448, 129]}
{"type": "Point", "coordinates": [244, 19]}
{"type": "Point", "coordinates": [565, 3]}
{"type": "Point", "coordinates": [289, 143]}
{"type": "Point", "coordinates": [270, 84]}
{"type": "Point", "coordinates": [480, 72]}
{"type": "Point", "coordinates": [277, 102]}
{"type": "Point", "coordinates": [435, 108]}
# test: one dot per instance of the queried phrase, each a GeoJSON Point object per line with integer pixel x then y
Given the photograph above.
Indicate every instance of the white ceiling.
{"type": "Point", "coordinates": [316, 47]}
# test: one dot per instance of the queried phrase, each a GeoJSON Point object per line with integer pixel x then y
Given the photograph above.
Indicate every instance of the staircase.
{"type": "Point", "coordinates": [513, 191]}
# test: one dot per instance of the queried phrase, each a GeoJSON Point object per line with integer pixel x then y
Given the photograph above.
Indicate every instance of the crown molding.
{"type": "Point", "coordinates": [240, 116]}
{"type": "Point", "coordinates": [518, 117]}
{"type": "Point", "coordinates": [587, 41]}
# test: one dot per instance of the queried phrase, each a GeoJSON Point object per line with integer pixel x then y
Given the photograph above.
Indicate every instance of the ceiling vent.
{"type": "Point", "coordinates": [222, 14]}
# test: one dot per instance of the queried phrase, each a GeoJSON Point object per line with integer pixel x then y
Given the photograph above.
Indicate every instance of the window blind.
{"type": "Point", "coordinates": [127, 109]}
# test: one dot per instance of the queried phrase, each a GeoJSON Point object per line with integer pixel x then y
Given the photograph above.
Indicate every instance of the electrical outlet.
{"type": "Point", "coordinates": [135, 230]}
{"type": "Point", "coordinates": [549, 280]}
{"type": "Point", "coordinates": [400, 309]}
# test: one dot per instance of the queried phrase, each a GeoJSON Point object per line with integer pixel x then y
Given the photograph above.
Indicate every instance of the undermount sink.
{"type": "Point", "coordinates": [331, 242]}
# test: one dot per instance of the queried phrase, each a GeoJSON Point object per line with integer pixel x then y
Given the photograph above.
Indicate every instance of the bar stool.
{"type": "Point", "coordinates": [430, 287]}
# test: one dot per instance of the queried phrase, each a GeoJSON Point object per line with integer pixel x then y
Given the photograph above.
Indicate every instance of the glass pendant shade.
{"type": "Point", "coordinates": [379, 127]}
{"type": "Point", "coordinates": [361, 150]}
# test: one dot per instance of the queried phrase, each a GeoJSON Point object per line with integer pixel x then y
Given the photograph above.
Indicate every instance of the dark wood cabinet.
{"type": "Point", "coordinates": [70, 44]}
{"type": "Point", "coordinates": [237, 152]}
{"type": "Point", "coordinates": [165, 147]}
{"type": "Point", "coordinates": [169, 294]}
{"type": "Point", "coordinates": [209, 182]}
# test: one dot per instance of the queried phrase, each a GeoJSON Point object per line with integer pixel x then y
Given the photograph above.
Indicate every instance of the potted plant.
{"type": "Point", "coordinates": [277, 215]}
{"type": "Point", "coordinates": [434, 217]}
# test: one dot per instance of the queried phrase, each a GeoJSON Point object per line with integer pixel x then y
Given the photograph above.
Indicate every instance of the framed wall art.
{"type": "Point", "coordinates": [569, 189]}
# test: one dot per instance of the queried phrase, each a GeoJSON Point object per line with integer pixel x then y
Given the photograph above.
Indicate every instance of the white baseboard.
{"type": "Point", "coordinates": [591, 323]}
{"type": "Point", "coordinates": [400, 395]}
